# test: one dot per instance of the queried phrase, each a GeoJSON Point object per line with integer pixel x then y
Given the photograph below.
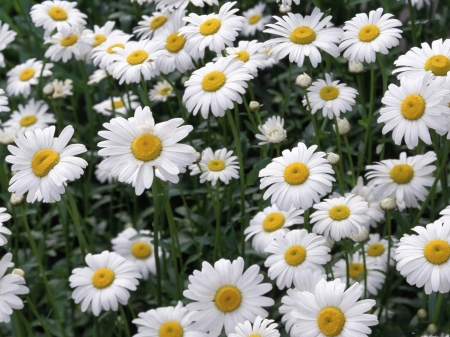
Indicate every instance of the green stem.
{"type": "Point", "coordinates": [413, 23]}
{"type": "Point", "coordinates": [125, 321]}
{"type": "Point", "coordinates": [36, 313]}
{"type": "Point", "coordinates": [306, 224]}
{"type": "Point", "coordinates": [145, 89]}
{"type": "Point", "coordinates": [288, 92]}
{"type": "Point", "coordinates": [438, 308]}
{"type": "Point", "coordinates": [157, 206]}
{"type": "Point", "coordinates": [73, 211]}
{"type": "Point", "coordinates": [389, 232]}
{"type": "Point", "coordinates": [347, 264]}
{"type": "Point", "coordinates": [340, 171]}
{"type": "Point", "coordinates": [350, 159]}
{"type": "Point", "coordinates": [314, 120]}
{"type": "Point", "coordinates": [363, 252]}
{"type": "Point", "coordinates": [367, 148]}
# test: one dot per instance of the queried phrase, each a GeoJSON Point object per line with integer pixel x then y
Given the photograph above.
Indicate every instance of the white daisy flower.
{"type": "Point", "coordinates": [6, 37]}
{"type": "Point", "coordinates": [377, 249]}
{"type": "Point", "coordinates": [364, 36]}
{"type": "Point", "coordinates": [225, 295]}
{"type": "Point", "coordinates": [330, 96]}
{"type": "Point", "coordinates": [272, 60]}
{"type": "Point", "coordinates": [298, 178]}
{"type": "Point", "coordinates": [182, 4]}
{"type": "Point", "coordinates": [414, 107]}
{"type": "Point", "coordinates": [254, 19]}
{"type": "Point", "coordinates": [334, 311]}
{"type": "Point", "coordinates": [161, 92]}
{"type": "Point", "coordinates": [11, 285]}
{"type": "Point", "coordinates": [294, 252]}
{"type": "Point", "coordinates": [404, 179]}
{"type": "Point", "coordinates": [102, 56]}
{"type": "Point", "coordinates": [272, 131]}
{"type": "Point", "coordinates": [61, 89]}
{"type": "Point", "coordinates": [303, 36]}
{"type": "Point", "coordinates": [260, 327]}
{"type": "Point", "coordinates": [269, 222]}
{"type": "Point", "coordinates": [3, 102]}
{"type": "Point", "coordinates": [105, 282]}
{"type": "Point", "coordinates": [152, 25]}
{"type": "Point", "coordinates": [3, 230]}
{"type": "Point", "coordinates": [44, 163]}
{"type": "Point", "coordinates": [136, 145]}
{"type": "Point", "coordinates": [121, 105]}
{"type": "Point", "coordinates": [23, 76]}
{"type": "Point", "coordinates": [97, 76]}
{"type": "Point", "coordinates": [68, 43]}
{"type": "Point", "coordinates": [7, 135]}
{"type": "Point", "coordinates": [102, 175]}
{"type": "Point", "coordinates": [30, 117]}
{"type": "Point", "coordinates": [100, 34]}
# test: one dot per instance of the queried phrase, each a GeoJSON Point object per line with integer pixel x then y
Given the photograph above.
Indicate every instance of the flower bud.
{"type": "Point", "coordinates": [16, 200]}
{"type": "Point", "coordinates": [432, 328]}
{"type": "Point", "coordinates": [198, 157]}
{"type": "Point", "coordinates": [254, 106]}
{"type": "Point", "coordinates": [343, 125]}
{"type": "Point", "coordinates": [184, 79]}
{"type": "Point", "coordinates": [285, 9]}
{"type": "Point", "coordinates": [303, 81]}
{"type": "Point", "coordinates": [355, 67]}
{"type": "Point", "coordinates": [48, 89]}
{"type": "Point", "coordinates": [361, 236]}
{"type": "Point", "coordinates": [422, 313]}
{"type": "Point", "coordinates": [388, 204]}
{"type": "Point", "coordinates": [333, 158]}
{"type": "Point", "coordinates": [18, 271]}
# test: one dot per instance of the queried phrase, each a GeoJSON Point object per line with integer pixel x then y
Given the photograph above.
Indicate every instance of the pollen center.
{"type": "Point", "coordinates": [355, 270]}
{"type": "Point", "coordinates": [402, 173]}
{"type": "Point", "coordinates": [118, 104]}
{"type": "Point", "coordinates": [26, 74]}
{"type": "Point", "coordinates": [296, 173]}
{"type": "Point", "coordinates": [57, 13]}
{"type": "Point", "coordinates": [331, 321]}
{"type": "Point", "coordinates": [99, 39]}
{"type": "Point", "coordinates": [165, 91]}
{"type": "Point", "coordinates": [175, 42]}
{"type": "Point", "coordinates": [141, 250]}
{"type": "Point", "coordinates": [146, 147]}
{"type": "Point", "coordinates": [438, 64]}
{"type": "Point", "coordinates": [228, 298]}
{"type": "Point", "coordinates": [295, 255]}
{"type": "Point", "coordinates": [110, 48]}
{"type": "Point", "coordinates": [69, 40]}
{"type": "Point", "coordinates": [213, 81]}
{"type": "Point", "coordinates": [273, 222]}
{"type": "Point", "coordinates": [339, 212]}
{"type": "Point", "coordinates": [216, 165]}
{"type": "Point", "coordinates": [103, 278]}
{"type": "Point", "coordinates": [303, 35]}
{"type": "Point", "coordinates": [437, 251]}
{"type": "Point", "coordinates": [254, 19]}
{"type": "Point", "coordinates": [369, 33]}
{"type": "Point", "coordinates": [413, 107]}
{"type": "Point", "coordinates": [43, 161]}
{"type": "Point", "coordinates": [171, 329]}
{"type": "Point", "coordinates": [210, 26]}
{"type": "Point", "coordinates": [375, 249]}
{"type": "Point", "coordinates": [329, 93]}
{"type": "Point", "coordinates": [158, 22]}
{"type": "Point", "coordinates": [28, 120]}
{"type": "Point", "coordinates": [137, 57]}
{"type": "Point", "coordinates": [242, 56]}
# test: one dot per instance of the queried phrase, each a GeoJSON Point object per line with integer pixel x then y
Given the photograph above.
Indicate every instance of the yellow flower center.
{"type": "Point", "coordinates": [175, 42]}
{"type": "Point", "coordinates": [103, 278]}
{"type": "Point", "coordinates": [329, 93]}
{"type": "Point", "coordinates": [118, 104]}
{"type": "Point", "coordinates": [99, 39]}
{"type": "Point", "coordinates": [28, 120]}
{"type": "Point", "coordinates": [216, 165]}
{"type": "Point", "coordinates": [402, 173]}
{"type": "Point", "coordinates": [254, 335]}
{"type": "Point", "coordinates": [369, 33]}
{"type": "Point", "coordinates": [296, 173]}
{"type": "Point", "coordinates": [146, 147]}
{"type": "Point", "coordinates": [355, 270]}
{"type": "Point", "coordinates": [413, 107]}
{"type": "Point", "coordinates": [57, 13]}
{"type": "Point", "coordinates": [303, 35]}
{"type": "Point", "coordinates": [339, 212]}
{"type": "Point", "coordinates": [165, 91]}
{"type": "Point", "coordinates": [273, 221]}
{"type": "Point", "coordinates": [242, 56]}
{"type": "Point", "coordinates": [213, 81]}
{"type": "Point", "coordinates": [141, 250]}
{"type": "Point", "coordinates": [331, 321]}
{"type": "Point", "coordinates": [110, 48]}
{"type": "Point", "coordinates": [254, 19]}
{"type": "Point", "coordinates": [375, 249]}
{"type": "Point", "coordinates": [295, 255]}
{"type": "Point", "coordinates": [137, 57]}
{"type": "Point", "coordinates": [43, 161]}
{"type": "Point", "coordinates": [158, 22]}
{"type": "Point", "coordinates": [228, 298]}
{"type": "Point", "coordinates": [26, 74]}
{"type": "Point", "coordinates": [438, 64]}
{"type": "Point", "coordinates": [437, 251]}
{"type": "Point", "coordinates": [69, 40]}
{"type": "Point", "coordinates": [210, 26]}
{"type": "Point", "coordinates": [171, 329]}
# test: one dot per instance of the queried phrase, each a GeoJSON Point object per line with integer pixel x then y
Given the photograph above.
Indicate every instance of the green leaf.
{"type": "Point", "coordinates": [253, 175]}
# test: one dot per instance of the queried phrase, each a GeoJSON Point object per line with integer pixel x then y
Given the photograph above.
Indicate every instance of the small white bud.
{"type": "Point", "coordinates": [355, 67]}
{"type": "Point", "coordinates": [388, 204]}
{"type": "Point", "coordinates": [198, 157]}
{"type": "Point", "coordinates": [254, 106]}
{"type": "Point", "coordinates": [422, 313]}
{"type": "Point", "coordinates": [68, 81]}
{"type": "Point", "coordinates": [432, 328]}
{"type": "Point", "coordinates": [18, 271]}
{"type": "Point", "coordinates": [343, 125]}
{"type": "Point", "coordinates": [333, 158]}
{"type": "Point", "coordinates": [16, 200]}
{"type": "Point", "coordinates": [361, 236]}
{"type": "Point", "coordinates": [48, 90]}
{"type": "Point", "coordinates": [184, 79]}
{"type": "Point", "coordinates": [284, 9]}
{"type": "Point", "coordinates": [303, 81]}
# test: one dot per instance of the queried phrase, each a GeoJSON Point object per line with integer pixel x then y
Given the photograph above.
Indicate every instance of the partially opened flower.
{"type": "Point", "coordinates": [31, 116]}
{"type": "Point", "coordinates": [23, 76]}
{"type": "Point", "coordinates": [272, 131]}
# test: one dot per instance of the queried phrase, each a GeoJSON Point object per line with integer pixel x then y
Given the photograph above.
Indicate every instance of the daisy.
{"type": "Point", "coordinates": [97, 76]}
{"type": "Point", "coordinates": [303, 36]}
{"type": "Point", "coordinates": [161, 92]}
{"type": "Point", "coordinates": [330, 96]}
{"type": "Point", "coordinates": [44, 163]}
{"type": "Point", "coordinates": [136, 145]}
{"type": "Point", "coordinates": [7, 135]}
{"type": "Point", "coordinates": [3, 102]}
{"type": "Point", "coordinates": [261, 327]}
{"type": "Point", "coordinates": [102, 175]}
{"type": "Point", "coordinates": [404, 179]}
{"type": "Point", "coordinates": [152, 25]}
{"type": "Point", "coordinates": [334, 311]}
{"type": "Point", "coordinates": [23, 76]}
{"type": "Point", "coordinates": [268, 223]}
{"type": "Point", "coordinates": [121, 105]}
{"type": "Point", "coordinates": [100, 34]}
{"type": "Point", "coordinates": [225, 295]}
{"type": "Point", "coordinates": [3, 230]}
{"type": "Point", "coordinates": [272, 131]}
{"type": "Point", "coordinates": [340, 217]}
{"type": "Point", "coordinates": [254, 19]}
{"type": "Point", "coordinates": [215, 87]}
{"type": "Point", "coordinates": [364, 36]}
{"type": "Point", "coordinates": [61, 89]}
{"type": "Point", "coordinates": [414, 107]}
{"type": "Point", "coordinates": [292, 253]}
{"type": "Point", "coordinates": [11, 285]}
{"type": "Point", "coordinates": [102, 55]}
{"type": "Point", "coordinates": [105, 282]}
{"type": "Point", "coordinates": [182, 4]}
{"type": "Point", "coordinates": [218, 165]}
{"type": "Point", "coordinates": [68, 43]}
{"type": "Point", "coordinates": [6, 37]}
{"type": "Point", "coordinates": [377, 249]}
{"type": "Point", "coordinates": [30, 117]}
{"type": "Point", "coordinates": [298, 178]}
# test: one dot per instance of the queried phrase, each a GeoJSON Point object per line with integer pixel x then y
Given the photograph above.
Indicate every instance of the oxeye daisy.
{"type": "Point", "coordinates": [121, 105]}
{"type": "Point", "coordinates": [161, 92]}
{"type": "Point", "coordinates": [31, 116]}
{"type": "Point", "coordinates": [298, 178]}
{"type": "Point", "coordinates": [272, 131]}
{"type": "Point", "coordinates": [102, 55]}
{"type": "Point", "coordinates": [68, 43]}
{"type": "Point", "coordinates": [260, 327]}
{"type": "Point", "coordinates": [330, 96]}
{"type": "Point", "coordinates": [6, 37]}
{"type": "Point", "coordinates": [269, 222]}
{"type": "Point", "coordinates": [3, 102]}
{"type": "Point", "coordinates": [292, 253]}
{"type": "Point", "coordinates": [216, 87]}
{"type": "Point", "coordinates": [97, 76]}
{"type": "Point", "coordinates": [3, 230]}
{"type": "Point", "coordinates": [23, 76]}
{"type": "Point", "coordinates": [254, 19]}
{"type": "Point", "coordinates": [152, 25]}
{"type": "Point", "coordinates": [225, 295]}
{"type": "Point", "coordinates": [364, 36]}
{"type": "Point", "coordinates": [377, 249]}
{"type": "Point", "coordinates": [105, 282]}
{"type": "Point", "coordinates": [404, 179]}
{"type": "Point", "coordinates": [102, 175]}
{"type": "Point", "coordinates": [100, 34]}
{"type": "Point", "coordinates": [61, 89]}
{"type": "Point", "coordinates": [44, 163]}
{"type": "Point", "coordinates": [303, 36]}
{"type": "Point", "coordinates": [182, 4]}
{"type": "Point", "coordinates": [136, 145]}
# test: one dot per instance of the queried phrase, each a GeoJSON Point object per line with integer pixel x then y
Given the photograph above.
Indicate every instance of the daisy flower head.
{"type": "Point", "coordinates": [292, 253]}
{"type": "Point", "coordinates": [364, 36]}
{"type": "Point", "coordinates": [68, 43]}
{"type": "Point", "coordinates": [182, 4]}
{"type": "Point", "coordinates": [402, 179]}
{"type": "Point", "coordinates": [103, 176]}
{"type": "Point", "coordinates": [44, 163]}
{"type": "Point", "coordinates": [255, 19]}
{"type": "Point", "coordinates": [272, 131]}
{"type": "Point", "coordinates": [100, 34]}
{"type": "Point", "coordinates": [260, 327]}
{"type": "Point", "coordinates": [218, 165]}
{"type": "Point", "coordinates": [31, 116]}
{"type": "Point", "coordinates": [105, 282]}
{"type": "Point", "coordinates": [377, 249]}
{"type": "Point", "coordinates": [61, 89]}
{"type": "Point", "coordinates": [3, 230]}
{"type": "Point", "coordinates": [136, 145]}
{"type": "Point", "coordinates": [121, 105]}
{"type": "Point", "coordinates": [97, 76]}
{"type": "Point", "coordinates": [298, 178]}
{"type": "Point", "coordinates": [161, 92]}
{"type": "Point", "coordinates": [330, 96]}
{"type": "Point", "coordinates": [334, 311]}
{"type": "Point", "coordinates": [303, 36]}
{"type": "Point", "coordinates": [23, 76]}
{"type": "Point", "coordinates": [216, 86]}
{"type": "Point", "coordinates": [152, 25]}
{"type": "Point", "coordinates": [225, 295]}
{"type": "Point", "coordinates": [102, 55]}
{"type": "Point", "coordinates": [3, 102]}
{"type": "Point", "coordinates": [6, 37]}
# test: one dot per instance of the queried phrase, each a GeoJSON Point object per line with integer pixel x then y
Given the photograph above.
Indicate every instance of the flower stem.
{"type": "Point", "coordinates": [125, 321]}
{"type": "Point", "coordinates": [340, 171]}
{"type": "Point", "coordinates": [350, 159]}
{"type": "Point", "coordinates": [438, 308]}
{"type": "Point", "coordinates": [413, 23]}
{"type": "Point", "coordinates": [288, 92]}
{"type": "Point", "coordinates": [363, 252]}
{"type": "Point", "coordinates": [367, 148]}
{"type": "Point", "coordinates": [314, 120]}
{"type": "Point", "coordinates": [144, 88]}
{"type": "Point", "coordinates": [158, 204]}
{"type": "Point", "coordinates": [74, 214]}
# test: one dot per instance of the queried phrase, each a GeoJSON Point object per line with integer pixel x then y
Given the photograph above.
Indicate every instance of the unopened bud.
{"type": "Point", "coordinates": [355, 67]}
{"type": "Point", "coordinates": [16, 200]}
{"type": "Point", "coordinates": [422, 313]}
{"type": "Point", "coordinates": [361, 236]}
{"type": "Point", "coordinates": [19, 272]}
{"type": "Point", "coordinates": [303, 81]}
{"type": "Point", "coordinates": [198, 157]}
{"type": "Point", "coordinates": [343, 125]}
{"type": "Point", "coordinates": [284, 9]}
{"type": "Point", "coordinates": [254, 106]}
{"type": "Point", "coordinates": [68, 81]}
{"type": "Point", "coordinates": [388, 204]}
{"type": "Point", "coordinates": [48, 90]}
{"type": "Point", "coordinates": [432, 328]}
{"type": "Point", "coordinates": [333, 158]}
{"type": "Point", "coordinates": [184, 79]}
